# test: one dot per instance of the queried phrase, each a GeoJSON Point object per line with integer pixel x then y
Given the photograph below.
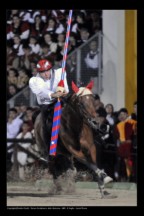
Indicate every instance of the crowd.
{"type": "Point", "coordinates": [36, 34]}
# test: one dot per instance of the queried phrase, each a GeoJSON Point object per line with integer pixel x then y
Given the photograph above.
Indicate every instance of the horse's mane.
{"type": "Point", "coordinates": [72, 112]}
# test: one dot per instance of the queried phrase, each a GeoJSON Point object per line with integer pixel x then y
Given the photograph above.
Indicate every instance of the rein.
{"type": "Point", "coordinates": [77, 106]}
{"type": "Point", "coordinates": [87, 118]}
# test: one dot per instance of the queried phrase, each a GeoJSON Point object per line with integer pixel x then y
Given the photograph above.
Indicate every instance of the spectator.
{"type": "Point", "coordinates": [48, 40]}
{"type": "Point", "coordinates": [98, 102]}
{"type": "Point", "coordinates": [33, 43]}
{"type": "Point", "coordinates": [11, 57]}
{"type": "Point", "coordinates": [134, 114]}
{"type": "Point", "coordinates": [104, 141]}
{"type": "Point", "coordinates": [17, 45]}
{"type": "Point", "coordinates": [28, 117]}
{"type": "Point", "coordinates": [22, 156]}
{"type": "Point", "coordinates": [84, 36]}
{"type": "Point", "coordinates": [60, 40]}
{"type": "Point", "coordinates": [22, 79]}
{"type": "Point", "coordinates": [33, 68]}
{"type": "Point", "coordinates": [21, 109]}
{"type": "Point", "coordinates": [37, 28]}
{"type": "Point", "coordinates": [46, 53]}
{"type": "Point", "coordinates": [60, 53]}
{"type": "Point", "coordinates": [11, 14]}
{"type": "Point", "coordinates": [53, 27]}
{"type": "Point", "coordinates": [95, 21]}
{"type": "Point", "coordinates": [81, 23]}
{"type": "Point", "coordinates": [124, 132]}
{"type": "Point", "coordinates": [92, 57]}
{"type": "Point", "coordinates": [12, 90]}
{"type": "Point", "coordinates": [59, 16]}
{"type": "Point", "coordinates": [134, 143]}
{"type": "Point", "coordinates": [104, 126]}
{"type": "Point", "coordinates": [73, 42]}
{"type": "Point", "coordinates": [12, 76]}
{"type": "Point", "coordinates": [33, 14]}
{"type": "Point", "coordinates": [71, 68]}
{"type": "Point", "coordinates": [110, 114]}
{"type": "Point", "coordinates": [25, 60]}
{"type": "Point", "coordinates": [50, 26]}
{"type": "Point", "coordinates": [17, 107]}
{"type": "Point", "coordinates": [92, 64]}
{"type": "Point", "coordinates": [18, 27]}
{"type": "Point", "coordinates": [25, 15]}
{"type": "Point", "coordinates": [13, 128]}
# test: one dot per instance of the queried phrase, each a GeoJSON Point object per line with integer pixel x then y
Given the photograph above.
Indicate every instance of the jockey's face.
{"type": "Point", "coordinates": [46, 74]}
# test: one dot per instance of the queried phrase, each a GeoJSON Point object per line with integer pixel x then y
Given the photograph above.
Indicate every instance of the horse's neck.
{"type": "Point", "coordinates": [73, 109]}
{"type": "Point", "coordinates": [71, 116]}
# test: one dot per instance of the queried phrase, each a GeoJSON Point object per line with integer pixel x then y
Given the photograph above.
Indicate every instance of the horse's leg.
{"type": "Point", "coordinates": [101, 175]}
{"type": "Point", "coordinates": [61, 166]}
{"type": "Point", "coordinates": [89, 158]}
{"type": "Point", "coordinates": [87, 141]}
{"type": "Point", "coordinates": [103, 178]}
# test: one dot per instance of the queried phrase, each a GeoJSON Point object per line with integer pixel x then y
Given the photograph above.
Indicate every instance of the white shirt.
{"type": "Point", "coordinates": [92, 63]}
{"type": "Point", "coordinates": [110, 119]}
{"type": "Point", "coordinates": [44, 88]}
{"type": "Point", "coordinates": [22, 156]}
{"type": "Point", "coordinates": [13, 129]}
{"type": "Point", "coordinates": [28, 135]}
{"type": "Point", "coordinates": [35, 48]}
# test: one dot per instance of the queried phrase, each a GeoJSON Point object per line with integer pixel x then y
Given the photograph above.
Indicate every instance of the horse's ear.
{"type": "Point", "coordinates": [90, 85]}
{"type": "Point", "coordinates": [74, 87]}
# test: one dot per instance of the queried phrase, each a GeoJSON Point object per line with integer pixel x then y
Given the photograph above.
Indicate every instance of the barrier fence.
{"type": "Point", "coordinates": [37, 157]}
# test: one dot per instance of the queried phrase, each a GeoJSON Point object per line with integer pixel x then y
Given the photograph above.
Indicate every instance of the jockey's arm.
{"type": "Point", "coordinates": [39, 88]}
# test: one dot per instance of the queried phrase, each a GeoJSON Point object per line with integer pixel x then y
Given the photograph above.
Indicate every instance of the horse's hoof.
{"type": "Point", "coordinates": [107, 195]}
{"type": "Point", "coordinates": [107, 179]}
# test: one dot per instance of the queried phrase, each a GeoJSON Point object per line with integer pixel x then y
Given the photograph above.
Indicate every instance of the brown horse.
{"type": "Point", "coordinates": [76, 135]}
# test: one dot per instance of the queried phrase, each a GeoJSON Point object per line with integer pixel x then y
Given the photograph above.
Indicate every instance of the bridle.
{"type": "Point", "coordinates": [87, 117]}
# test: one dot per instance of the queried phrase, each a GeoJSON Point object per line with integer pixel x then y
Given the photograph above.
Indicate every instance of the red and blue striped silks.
{"type": "Point", "coordinates": [55, 128]}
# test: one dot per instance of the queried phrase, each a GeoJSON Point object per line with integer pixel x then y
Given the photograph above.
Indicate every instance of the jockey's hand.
{"type": "Point", "coordinates": [57, 94]}
{"type": "Point", "coordinates": [65, 93]}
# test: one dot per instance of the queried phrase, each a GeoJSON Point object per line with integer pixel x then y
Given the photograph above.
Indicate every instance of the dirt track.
{"type": "Point", "coordinates": [31, 196]}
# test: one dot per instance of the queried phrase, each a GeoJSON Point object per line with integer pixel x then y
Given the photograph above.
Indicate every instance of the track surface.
{"type": "Point", "coordinates": [32, 196]}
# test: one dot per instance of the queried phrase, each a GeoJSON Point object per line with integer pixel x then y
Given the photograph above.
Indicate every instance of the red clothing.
{"type": "Point", "coordinates": [125, 130]}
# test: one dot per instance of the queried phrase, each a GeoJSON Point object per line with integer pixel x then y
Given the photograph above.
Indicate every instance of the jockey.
{"type": "Point", "coordinates": [45, 83]}
{"type": "Point", "coordinates": [46, 86]}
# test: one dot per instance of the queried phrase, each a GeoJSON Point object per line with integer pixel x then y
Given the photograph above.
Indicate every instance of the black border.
{"type": "Point", "coordinates": [71, 4]}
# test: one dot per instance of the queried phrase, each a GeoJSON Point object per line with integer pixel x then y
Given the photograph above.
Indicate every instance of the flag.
{"type": "Point", "coordinates": [55, 128]}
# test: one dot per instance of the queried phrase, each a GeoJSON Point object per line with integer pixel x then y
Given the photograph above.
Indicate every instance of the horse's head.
{"type": "Point", "coordinates": [86, 101]}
